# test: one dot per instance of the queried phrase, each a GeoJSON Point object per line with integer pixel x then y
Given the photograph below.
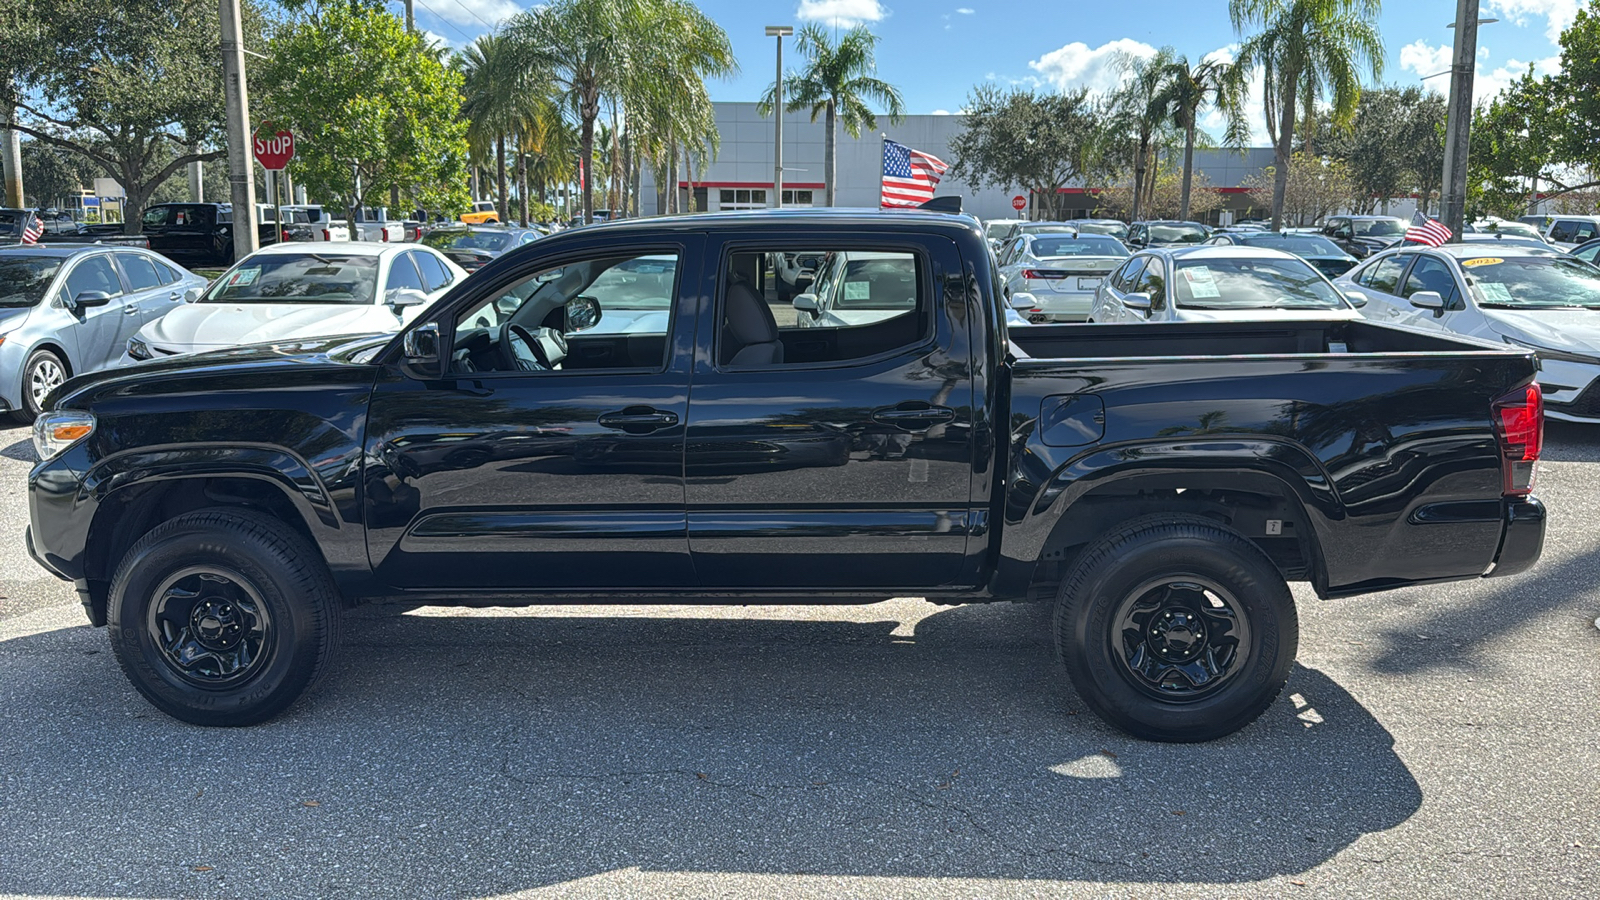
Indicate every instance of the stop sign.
{"type": "Point", "coordinates": [274, 150]}
{"type": "Point", "coordinates": [1019, 202]}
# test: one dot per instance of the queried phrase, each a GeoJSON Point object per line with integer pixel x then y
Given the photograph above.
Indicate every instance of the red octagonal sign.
{"type": "Point", "coordinates": [1017, 202]}
{"type": "Point", "coordinates": [275, 150]}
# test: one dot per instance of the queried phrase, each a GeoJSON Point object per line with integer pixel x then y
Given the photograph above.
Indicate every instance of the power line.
{"type": "Point", "coordinates": [447, 22]}
{"type": "Point", "coordinates": [486, 24]}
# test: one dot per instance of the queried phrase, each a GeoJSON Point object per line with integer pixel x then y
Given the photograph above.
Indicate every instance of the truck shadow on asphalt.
{"type": "Point", "coordinates": [485, 754]}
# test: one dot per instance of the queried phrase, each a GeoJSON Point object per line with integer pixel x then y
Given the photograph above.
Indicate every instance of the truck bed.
{"type": "Point", "coordinates": [1230, 339]}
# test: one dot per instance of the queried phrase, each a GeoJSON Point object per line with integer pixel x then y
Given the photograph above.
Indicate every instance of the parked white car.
{"type": "Point", "coordinates": [294, 292]}
{"type": "Point", "coordinates": [1061, 272]}
{"type": "Point", "coordinates": [1218, 284]}
{"type": "Point", "coordinates": [1541, 299]}
{"type": "Point", "coordinates": [858, 288]}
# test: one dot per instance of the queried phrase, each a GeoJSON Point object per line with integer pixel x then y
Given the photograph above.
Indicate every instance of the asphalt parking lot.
{"type": "Point", "coordinates": [1432, 742]}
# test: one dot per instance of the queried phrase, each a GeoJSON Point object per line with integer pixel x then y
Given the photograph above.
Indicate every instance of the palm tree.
{"type": "Point", "coordinates": [497, 101]}
{"type": "Point", "coordinates": [837, 80]}
{"type": "Point", "coordinates": [1145, 103]}
{"type": "Point", "coordinates": [1190, 88]}
{"type": "Point", "coordinates": [1308, 50]}
{"type": "Point", "coordinates": [618, 50]}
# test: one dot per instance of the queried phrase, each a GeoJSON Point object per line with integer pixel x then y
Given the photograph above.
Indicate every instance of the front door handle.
{"type": "Point", "coordinates": [913, 417]}
{"type": "Point", "coordinates": [639, 419]}
{"type": "Point", "coordinates": [130, 310]}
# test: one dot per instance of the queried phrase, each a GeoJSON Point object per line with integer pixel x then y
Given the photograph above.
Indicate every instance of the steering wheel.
{"type": "Point", "coordinates": [520, 351]}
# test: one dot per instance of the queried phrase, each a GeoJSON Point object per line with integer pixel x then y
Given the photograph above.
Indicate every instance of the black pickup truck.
{"type": "Point", "coordinates": [198, 234]}
{"type": "Point", "coordinates": [630, 413]}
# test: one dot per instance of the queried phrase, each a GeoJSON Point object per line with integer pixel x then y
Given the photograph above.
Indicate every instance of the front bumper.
{"type": "Point", "coordinates": [1523, 538]}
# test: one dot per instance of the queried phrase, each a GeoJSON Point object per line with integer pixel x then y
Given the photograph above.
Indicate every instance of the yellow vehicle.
{"type": "Point", "coordinates": [483, 212]}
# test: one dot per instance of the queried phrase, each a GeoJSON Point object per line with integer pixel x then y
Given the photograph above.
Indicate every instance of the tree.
{"type": "Point", "coordinates": [1144, 104]}
{"type": "Point", "coordinates": [372, 104]}
{"type": "Point", "coordinates": [624, 51]}
{"type": "Point", "coordinates": [1042, 141]}
{"type": "Point", "coordinates": [52, 174]}
{"type": "Point", "coordinates": [505, 100]}
{"type": "Point", "coordinates": [1315, 188]}
{"type": "Point", "coordinates": [1394, 146]}
{"type": "Point", "coordinates": [1163, 197]}
{"type": "Point", "coordinates": [130, 84]}
{"type": "Point", "coordinates": [1191, 87]}
{"type": "Point", "coordinates": [1309, 51]}
{"type": "Point", "coordinates": [836, 82]}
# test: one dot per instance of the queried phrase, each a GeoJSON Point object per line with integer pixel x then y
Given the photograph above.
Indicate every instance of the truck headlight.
{"type": "Point", "coordinates": [54, 432]}
{"type": "Point", "coordinates": [138, 349]}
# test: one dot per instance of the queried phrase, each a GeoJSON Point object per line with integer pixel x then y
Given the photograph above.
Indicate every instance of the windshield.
{"type": "Point", "coordinates": [298, 278]}
{"type": "Point", "coordinates": [1515, 229]}
{"type": "Point", "coordinates": [1533, 282]}
{"type": "Point", "coordinates": [24, 279]}
{"type": "Point", "coordinates": [1178, 234]}
{"type": "Point", "coordinates": [491, 241]}
{"type": "Point", "coordinates": [1299, 244]}
{"type": "Point", "coordinates": [1253, 284]}
{"type": "Point", "coordinates": [644, 282]}
{"type": "Point", "coordinates": [1115, 229]}
{"type": "Point", "coordinates": [997, 229]}
{"type": "Point", "coordinates": [1378, 227]}
{"type": "Point", "coordinates": [1078, 245]}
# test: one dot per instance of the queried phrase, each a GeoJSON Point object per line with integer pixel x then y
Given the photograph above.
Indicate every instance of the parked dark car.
{"type": "Point", "coordinates": [1313, 248]}
{"type": "Point", "coordinates": [470, 246]}
{"type": "Point", "coordinates": [198, 234]}
{"type": "Point", "coordinates": [1362, 236]}
{"type": "Point", "coordinates": [1158, 484]}
{"type": "Point", "coordinates": [1164, 233]}
{"type": "Point", "coordinates": [55, 230]}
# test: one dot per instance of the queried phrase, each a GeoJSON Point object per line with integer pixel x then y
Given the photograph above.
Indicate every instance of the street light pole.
{"type": "Point", "coordinates": [241, 178]}
{"type": "Point", "coordinates": [1463, 65]}
{"type": "Point", "coordinates": [779, 32]}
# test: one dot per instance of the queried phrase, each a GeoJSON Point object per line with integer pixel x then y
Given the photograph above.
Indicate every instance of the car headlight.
{"type": "Point", "coordinates": [138, 349]}
{"type": "Point", "coordinates": [54, 432]}
{"type": "Point", "coordinates": [1547, 353]}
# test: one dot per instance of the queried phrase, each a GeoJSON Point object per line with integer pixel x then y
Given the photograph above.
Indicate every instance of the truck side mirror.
{"type": "Point", "coordinates": [421, 349]}
{"type": "Point", "coordinates": [582, 313]}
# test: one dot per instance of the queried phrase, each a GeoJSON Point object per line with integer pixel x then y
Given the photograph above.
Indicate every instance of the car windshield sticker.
{"type": "Point", "coordinates": [858, 290]}
{"type": "Point", "coordinates": [1495, 292]}
{"type": "Point", "coordinates": [1202, 284]}
{"type": "Point", "coordinates": [243, 276]}
{"type": "Point", "coordinates": [1483, 261]}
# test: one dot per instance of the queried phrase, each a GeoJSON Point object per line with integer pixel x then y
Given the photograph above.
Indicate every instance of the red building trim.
{"type": "Point", "coordinates": [787, 185]}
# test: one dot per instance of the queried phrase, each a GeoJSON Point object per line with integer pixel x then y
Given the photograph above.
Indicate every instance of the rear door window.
{"type": "Point", "coordinates": [1384, 275]}
{"type": "Point", "coordinates": [141, 273]}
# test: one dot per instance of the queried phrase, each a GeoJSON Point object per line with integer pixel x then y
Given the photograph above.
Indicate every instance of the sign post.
{"type": "Point", "coordinates": [273, 151]}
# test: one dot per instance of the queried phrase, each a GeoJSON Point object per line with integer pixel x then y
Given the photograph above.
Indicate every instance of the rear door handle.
{"type": "Point", "coordinates": [639, 419]}
{"type": "Point", "coordinates": [907, 417]}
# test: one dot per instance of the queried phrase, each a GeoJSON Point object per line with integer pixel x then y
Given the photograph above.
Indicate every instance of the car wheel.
{"type": "Point", "coordinates": [222, 617]}
{"type": "Point", "coordinates": [43, 373]}
{"type": "Point", "coordinates": [1176, 628]}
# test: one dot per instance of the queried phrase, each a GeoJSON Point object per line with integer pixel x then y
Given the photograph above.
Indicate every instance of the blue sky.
{"type": "Point", "coordinates": [936, 51]}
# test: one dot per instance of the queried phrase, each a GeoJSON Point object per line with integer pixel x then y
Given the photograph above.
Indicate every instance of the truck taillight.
{"type": "Point", "coordinates": [1519, 427]}
{"type": "Point", "coordinates": [283, 236]}
{"type": "Point", "coordinates": [327, 235]}
{"type": "Point", "coordinates": [384, 235]}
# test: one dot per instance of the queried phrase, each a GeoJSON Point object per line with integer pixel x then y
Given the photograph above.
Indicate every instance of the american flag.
{"type": "Point", "coordinates": [1427, 231]}
{"type": "Point", "coordinates": [32, 230]}
{"type": "Point", "coordinates": [909, 176]}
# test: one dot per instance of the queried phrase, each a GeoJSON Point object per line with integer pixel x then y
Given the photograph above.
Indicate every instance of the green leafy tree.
{"type": "Point", "coordinates": [1042, 141]}
{"type": "Point", "coordinates": [836, 82]}
{"type": "Point", "coordinates": [1394, 146]}
{"type": "Point", "coordinates": [132, 85]}
{"type": "Point", "coordinates": [1310, 52]}
{"type": "Point", "coordinates": [54, 175]}
{"type": "Point", "coordinates": [1316, 187]}
{"type": "Point", "coordinates": [1144, 105]}
{"type": "Point", "coordinates": [364, 96]}
{"type": "Point", "coordinates": [1192, 87]}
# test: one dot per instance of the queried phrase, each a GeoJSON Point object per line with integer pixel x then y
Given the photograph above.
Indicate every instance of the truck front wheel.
{"type": "Point", "coordinates": [222, 617]}
{"type": "Point", "coordinates": [1176, 628]}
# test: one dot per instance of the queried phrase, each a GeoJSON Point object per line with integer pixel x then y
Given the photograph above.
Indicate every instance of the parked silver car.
{"type": "Point", "coordinates": [65, 310]}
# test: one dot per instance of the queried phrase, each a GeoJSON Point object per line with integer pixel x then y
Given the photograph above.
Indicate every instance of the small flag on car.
{"type": "Point", "coordinates": [909, 176]}
{"type": "Point", "coordinates": [33, 230]}
{"type": "Point", "coordinates": [1427, 231]}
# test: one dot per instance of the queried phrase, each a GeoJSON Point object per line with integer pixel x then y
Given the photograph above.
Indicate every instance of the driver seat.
{"type": "Point", "coordinates": [750, 333]}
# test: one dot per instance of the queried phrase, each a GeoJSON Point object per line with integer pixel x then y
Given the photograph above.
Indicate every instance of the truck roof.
{"type": "Point", "coordinates": [871, 219]}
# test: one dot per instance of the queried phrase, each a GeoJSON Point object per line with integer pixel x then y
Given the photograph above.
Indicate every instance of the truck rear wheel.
{"type": "Point", "coordinates": [1176, 628]}
{"type": "Point", "coordinates": [222, 617]}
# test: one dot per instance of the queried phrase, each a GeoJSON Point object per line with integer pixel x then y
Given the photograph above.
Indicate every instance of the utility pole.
{"type": "Point", "coordinates": [197, 181]}
{"type": "Point", "coordinates": [11, 144]}
{"type": "Point", "coordinates": [241, 177]}
{"type": "Point", "coordinates": [1462, 67]}
{"type": "Point", "coordinates": [779, 32]}
{"type": "Point", "coordinates": [411, 19]}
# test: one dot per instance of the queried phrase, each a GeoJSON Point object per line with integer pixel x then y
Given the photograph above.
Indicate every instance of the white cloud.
{"type": "Point", "coordinates": [436, 39]}
{"type": "Point", "coordinates": [1557, 14]}
{"type": "Point", "coordinates": [844, 13]}
{"type": "Point", "coordinates": [1215, 124]}
{"type": "Point", "coordinates": [941, 112]}
{"type": "Point", "coordinates": [1425, 59]}
{"type": "Point", "coordinates": [475, 13]}
{"type": "Point", "coordinates": [966, 10]}
{"type": "Point", "coordinates": [1099, 69]}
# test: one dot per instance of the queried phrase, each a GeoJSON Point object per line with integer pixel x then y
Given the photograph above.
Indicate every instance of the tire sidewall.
{"type": "Point", "coordinates": [31, 410]}
{"type": "Point", "coordinates": [1085, 630]}
{"type": "Point", "coordinates": [292, 639]}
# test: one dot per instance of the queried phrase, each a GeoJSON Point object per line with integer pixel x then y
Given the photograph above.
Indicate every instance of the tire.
{"type": "Point", "coordinates": [223, 617]}
{"type": "Point", "coordinates": [42, 373]}
{"type": "Point", "coordinates": [1176, 628]}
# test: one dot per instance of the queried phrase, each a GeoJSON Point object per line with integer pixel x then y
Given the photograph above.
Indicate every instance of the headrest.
{"type": "Point", "coordinates": [750, 320]}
